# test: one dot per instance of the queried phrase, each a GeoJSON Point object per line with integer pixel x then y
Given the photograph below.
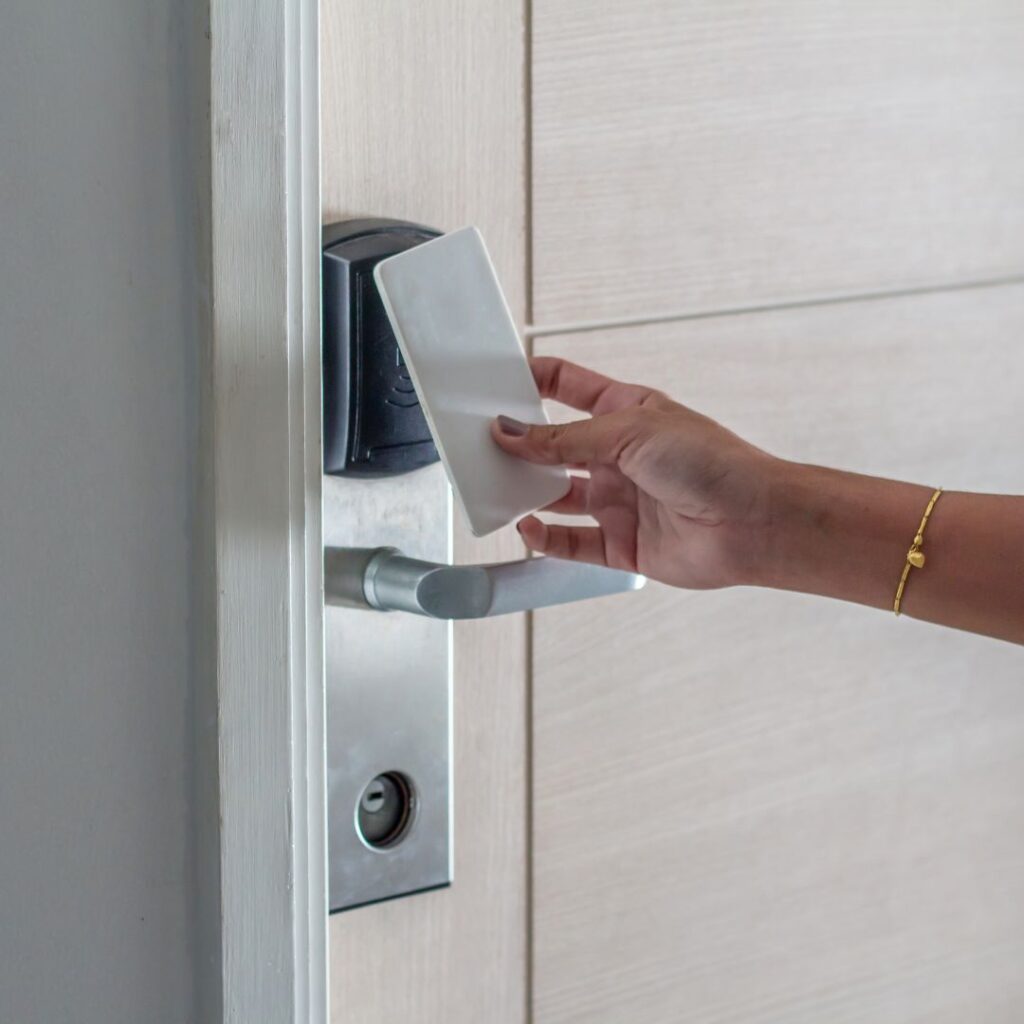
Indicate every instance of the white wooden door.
{"type": "Point", "coordinates": [423, 119]}
{"type": "Point", "coordinates": [808, 221]}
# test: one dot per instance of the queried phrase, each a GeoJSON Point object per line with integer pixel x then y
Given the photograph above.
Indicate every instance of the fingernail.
{"type": "Point", "coordinates": [514, 428]}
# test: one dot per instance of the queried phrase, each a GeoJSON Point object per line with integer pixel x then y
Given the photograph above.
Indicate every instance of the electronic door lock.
{"type": "Point", "coordinates": [389, 677]}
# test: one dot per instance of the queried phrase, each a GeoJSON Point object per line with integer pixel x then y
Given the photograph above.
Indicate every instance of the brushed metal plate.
{"type": "Point", "coordinates": [389, 689]}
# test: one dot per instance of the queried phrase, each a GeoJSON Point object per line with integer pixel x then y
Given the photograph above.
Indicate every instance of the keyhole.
{"type": "Point", "coordinates": [373, 798]}
{"type": "Point", "coordinates": [385, 810]}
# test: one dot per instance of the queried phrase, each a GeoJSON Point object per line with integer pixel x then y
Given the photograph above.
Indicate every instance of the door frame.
{"type": "Point", "coordinates": [262, 848]}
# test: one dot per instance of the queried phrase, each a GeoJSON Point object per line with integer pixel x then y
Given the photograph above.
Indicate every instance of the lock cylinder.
{"type": "Point", "coordinates": [386, 810]}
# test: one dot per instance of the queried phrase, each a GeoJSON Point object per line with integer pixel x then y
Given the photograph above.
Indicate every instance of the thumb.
{"type": "Point", "coordinates": [577, 443]}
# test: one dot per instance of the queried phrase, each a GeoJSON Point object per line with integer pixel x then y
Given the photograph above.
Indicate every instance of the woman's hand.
{"type": "Point", "coordinates": [682, 500]}
{"type": "Point", "coordinates": [676, 496]}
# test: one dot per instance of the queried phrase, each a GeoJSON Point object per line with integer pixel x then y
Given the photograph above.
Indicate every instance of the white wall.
{"type": "Point", "coordinates": [100, 321]}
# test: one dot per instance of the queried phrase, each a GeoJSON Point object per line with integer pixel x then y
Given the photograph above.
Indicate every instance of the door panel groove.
{"type": "Point", "coordinates": [681, 316]}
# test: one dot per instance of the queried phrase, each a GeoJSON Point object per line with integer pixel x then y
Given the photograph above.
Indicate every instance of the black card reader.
{"type": "Point", "coordinates": [373, 423]}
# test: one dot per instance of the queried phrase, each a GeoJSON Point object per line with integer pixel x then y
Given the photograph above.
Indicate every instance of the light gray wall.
{"type": "Point", "coordinates": [100, 323]}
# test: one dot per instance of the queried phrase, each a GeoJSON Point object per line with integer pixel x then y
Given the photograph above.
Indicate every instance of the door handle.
{"type": "Point", "coordinates": [387, 580]}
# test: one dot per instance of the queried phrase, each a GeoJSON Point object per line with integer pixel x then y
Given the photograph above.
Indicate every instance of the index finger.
{"type": "Point", "coordinates": [584, 389]}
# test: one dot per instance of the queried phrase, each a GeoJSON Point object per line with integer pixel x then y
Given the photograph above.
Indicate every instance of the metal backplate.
{"type": "Point", "coordinates": [388, 693]}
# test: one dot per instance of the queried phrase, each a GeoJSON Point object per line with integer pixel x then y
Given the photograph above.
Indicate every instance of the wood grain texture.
{"type": "Point", "coordinates": [423, 118]}
{"type": "Point", "coordinates": [709, 154]}
{"type": "Point", "coordinates": [265, 420]}
{"type": "Point", "coordinates": [759, 807]}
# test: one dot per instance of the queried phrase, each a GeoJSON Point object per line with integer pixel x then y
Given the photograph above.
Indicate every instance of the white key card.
{"type": "Point", "coordinates": [461, 348]}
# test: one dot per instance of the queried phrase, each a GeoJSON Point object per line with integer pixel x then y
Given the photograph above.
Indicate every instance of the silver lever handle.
{"type": "Point", "coordinates": [385, 579]}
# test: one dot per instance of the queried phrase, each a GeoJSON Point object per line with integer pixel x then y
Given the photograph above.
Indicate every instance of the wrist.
{"type": "Point", "coordinates": [836, 534]}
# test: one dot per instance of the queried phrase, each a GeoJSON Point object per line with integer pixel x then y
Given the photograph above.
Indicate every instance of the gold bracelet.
{"type": "Point", "coordinates": [915, 556]}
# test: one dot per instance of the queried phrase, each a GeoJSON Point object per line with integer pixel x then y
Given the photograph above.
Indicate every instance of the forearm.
{"type": "Point", "coordinates": [846, 536]}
